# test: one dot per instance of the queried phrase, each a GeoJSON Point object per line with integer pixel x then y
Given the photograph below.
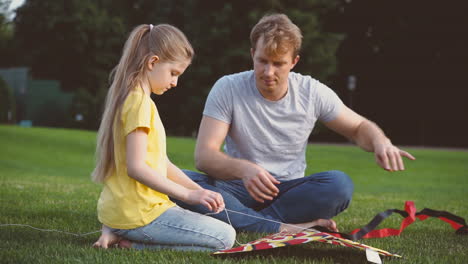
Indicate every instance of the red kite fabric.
{"type": "Point", "coordinates": [288, 239]}
{"type": "Point", "coordinates": [319, 234]}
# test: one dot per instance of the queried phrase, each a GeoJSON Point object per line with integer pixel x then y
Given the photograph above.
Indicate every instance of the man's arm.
{"type": "Point", "coordinates": [210, 159]}
{"type": "Point", "coordinates": [369, 137]}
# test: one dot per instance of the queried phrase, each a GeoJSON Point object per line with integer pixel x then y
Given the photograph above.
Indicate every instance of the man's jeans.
{"type": "Point", "coordinates": [321, 195]}
{"type": "Point", "coordinates": [180, 229]}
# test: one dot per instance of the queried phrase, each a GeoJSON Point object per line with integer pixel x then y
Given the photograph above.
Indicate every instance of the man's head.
{"type": "Point", "coordinates": [276, 42]}
{"type": "Point", "coordinates": [280, 35]}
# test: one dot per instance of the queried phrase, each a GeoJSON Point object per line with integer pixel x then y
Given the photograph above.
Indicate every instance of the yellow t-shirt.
{"type": "Point", "coordinates": [124, 202]}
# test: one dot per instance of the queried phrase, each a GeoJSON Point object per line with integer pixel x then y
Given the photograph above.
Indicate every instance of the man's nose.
{"type": "Point", "coordinates": [269, 70]}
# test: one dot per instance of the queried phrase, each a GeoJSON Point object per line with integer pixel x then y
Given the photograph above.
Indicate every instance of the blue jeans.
{"type": "Point", "coordinates": [180, 229]}
{"type": "Point", "coordinates": [319, 196]}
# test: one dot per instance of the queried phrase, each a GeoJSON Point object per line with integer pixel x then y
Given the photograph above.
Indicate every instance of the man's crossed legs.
{"type": "Point", "coordinates": [319, 196]}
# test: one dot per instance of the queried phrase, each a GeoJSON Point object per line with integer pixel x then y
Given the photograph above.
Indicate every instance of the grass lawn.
{"type": "Point", "coordinates": [45, 183]}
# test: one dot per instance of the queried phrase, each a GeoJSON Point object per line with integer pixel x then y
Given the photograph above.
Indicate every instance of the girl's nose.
{"type": "Point", "coordinates": [174, 82]}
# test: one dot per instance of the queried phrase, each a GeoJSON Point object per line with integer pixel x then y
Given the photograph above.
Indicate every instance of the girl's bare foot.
{"type": "Point", "coordinates": [294, 228]}
{"type": "Point", "coordinates": [107, 238]}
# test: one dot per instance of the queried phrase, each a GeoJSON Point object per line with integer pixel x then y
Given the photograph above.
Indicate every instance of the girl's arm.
{"type": "Point", "coordinates": [178, 176]}
{"type": "Point", "coordinates": [137, 168]}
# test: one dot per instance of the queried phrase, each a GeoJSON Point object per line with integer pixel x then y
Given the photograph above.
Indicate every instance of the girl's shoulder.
{"type": "Point", "coordinates": [137, 100]}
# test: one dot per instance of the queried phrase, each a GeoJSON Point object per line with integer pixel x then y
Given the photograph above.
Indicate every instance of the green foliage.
{"type": "Point", "coordinates": [81, 41]}
{"type": "Point", "coordinates": [45, 183]}
{"type": "Point", "coordinates": [7, 103]}
{"type": "Point", "coordinates": [6, 36]}
{"type": "Point", "coordinates": [76, 42]}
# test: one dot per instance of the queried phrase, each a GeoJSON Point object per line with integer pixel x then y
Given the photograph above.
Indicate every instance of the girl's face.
{"type": "Point", "coordinates": [162, 76]}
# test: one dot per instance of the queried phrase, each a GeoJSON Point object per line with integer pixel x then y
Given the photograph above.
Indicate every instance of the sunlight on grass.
{"type": "Point", "coordinates": [45, 182]}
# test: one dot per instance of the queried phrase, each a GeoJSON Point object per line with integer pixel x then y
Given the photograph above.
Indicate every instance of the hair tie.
{"type": "Point", "coordinates": [151, 26]}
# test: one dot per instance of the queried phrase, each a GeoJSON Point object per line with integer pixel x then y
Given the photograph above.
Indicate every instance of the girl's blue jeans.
{"type": "Point", "coordinates": [319, 196]}
{"type": "Point", "coordinates": [180, 229]}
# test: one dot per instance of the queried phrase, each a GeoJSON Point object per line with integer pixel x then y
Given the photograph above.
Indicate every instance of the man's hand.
{"type": "Point", "coordinates": [389, 157]}
{"type": "Point", "coordinates": [260, 183]}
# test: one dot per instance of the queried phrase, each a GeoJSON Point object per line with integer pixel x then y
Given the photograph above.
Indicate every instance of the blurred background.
{"type": "Point", "coordinates": [402, 64]}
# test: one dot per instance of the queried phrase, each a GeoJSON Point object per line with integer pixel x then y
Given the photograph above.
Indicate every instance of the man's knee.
{"type": "Point", "coordinates": [342, 184]}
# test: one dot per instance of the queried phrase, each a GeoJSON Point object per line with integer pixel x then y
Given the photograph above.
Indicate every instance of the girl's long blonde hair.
{"type": "Point", "coordinates": [145, 41]}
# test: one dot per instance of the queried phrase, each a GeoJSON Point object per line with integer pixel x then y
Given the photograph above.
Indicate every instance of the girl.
{"type": "Point", "coordinates": [134, 206]}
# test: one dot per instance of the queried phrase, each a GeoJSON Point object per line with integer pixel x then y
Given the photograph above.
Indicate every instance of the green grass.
{"type": "Point", "coordinates": [44, 182]}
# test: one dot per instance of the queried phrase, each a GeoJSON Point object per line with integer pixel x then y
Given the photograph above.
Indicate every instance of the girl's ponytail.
{"type": "Point", "coordinates": [165, 41]}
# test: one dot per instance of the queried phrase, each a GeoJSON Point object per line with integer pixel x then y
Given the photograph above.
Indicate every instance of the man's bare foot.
{"type": "Point", "coordinates": [294, 228]}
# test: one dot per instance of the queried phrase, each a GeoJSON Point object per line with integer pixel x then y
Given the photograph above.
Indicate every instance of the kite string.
{"type": "Point", "coordinates": [53, 230]}
{"type": "Point", "coordinates": [258, 217]}
{"type": "Point", "coordinates": [93, 232]}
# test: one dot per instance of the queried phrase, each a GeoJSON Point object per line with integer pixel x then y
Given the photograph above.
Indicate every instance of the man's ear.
{"type": "Point", "coordinates": [252, 52]}
{"type": "Point", "coordinates": [153, 60]}
{"type": "Point", "coordinates": [295, 61]}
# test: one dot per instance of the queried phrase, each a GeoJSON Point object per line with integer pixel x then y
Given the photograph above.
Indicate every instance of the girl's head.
{"type": "Point", "coordinates": [153, 58]}
{"type": "Point", "coordinates": [147, 50]}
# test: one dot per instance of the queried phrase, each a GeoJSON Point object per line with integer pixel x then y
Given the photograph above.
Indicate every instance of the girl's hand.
{"type": "Point", "coordinates": [106, 239]}
{"type": "Point", "coordinates": [211, 200]}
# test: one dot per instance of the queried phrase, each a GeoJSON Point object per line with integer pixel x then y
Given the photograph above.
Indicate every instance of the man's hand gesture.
{"type": "Point", "coordinates": [390, 158]}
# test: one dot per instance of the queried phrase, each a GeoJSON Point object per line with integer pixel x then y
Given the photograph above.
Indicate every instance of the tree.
{"type": "Point", "coordinates": [74, 41]}
{"type": "Point", "coordinates": [79, 41]}
{"type": "Point", "coordinates": [219, 32]}
{"type": "Point", "coordinates": [6, 36]}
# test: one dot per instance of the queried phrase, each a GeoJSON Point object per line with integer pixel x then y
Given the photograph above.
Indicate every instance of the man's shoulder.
{"type": "Point", "coordinates": [234, 82]}
{"type": "Point", "coordinates": [238, 77]}
{"type": "Point", "coordinates": [303, 83]}
{"type": "Point", "coordinates": [300, 78]}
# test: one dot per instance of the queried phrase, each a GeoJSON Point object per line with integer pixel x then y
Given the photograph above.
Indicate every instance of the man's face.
{"type": "Point", "coordinates": [271, 72]}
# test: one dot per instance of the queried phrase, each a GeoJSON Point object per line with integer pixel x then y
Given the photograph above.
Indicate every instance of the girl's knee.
{"type": "Point", "coordinates": [225, 238]}
{"type": "Point", "coordinates": [230, 237]}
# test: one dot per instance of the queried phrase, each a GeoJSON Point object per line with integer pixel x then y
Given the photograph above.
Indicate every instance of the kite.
{"type": "Point", "coordinates": [309, 235]}
{"type": "Point", "coordinates": [320, 234]}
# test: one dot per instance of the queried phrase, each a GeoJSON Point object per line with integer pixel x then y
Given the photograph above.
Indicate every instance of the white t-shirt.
{"type": "Point", "coordinates": [271, 134]}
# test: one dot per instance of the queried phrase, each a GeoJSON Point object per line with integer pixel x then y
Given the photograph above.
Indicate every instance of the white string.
{"type": "Point", "coordinates": [269, 220]}
{"type": "Point", "coordinates": [225, 210]}
{"type": "Point", "coordinates": [53, 230]}
{"type": "Point", "coordinates": [258, 217]}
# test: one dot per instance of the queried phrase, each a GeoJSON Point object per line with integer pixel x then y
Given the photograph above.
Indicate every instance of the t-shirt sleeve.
{"type": "Point", "coordinates": [219, 102]}
{"type": "Point", "coordinates": [328, 104]}
{"type": "Point", "coordinates": [136, 113]}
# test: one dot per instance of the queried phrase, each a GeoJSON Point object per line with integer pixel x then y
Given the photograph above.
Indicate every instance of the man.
{"type": "Point", "coordinates": [265, 117]}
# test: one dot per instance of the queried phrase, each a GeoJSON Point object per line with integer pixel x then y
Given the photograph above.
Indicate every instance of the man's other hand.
{"type": "Point", "coordinates": [260, 183]}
